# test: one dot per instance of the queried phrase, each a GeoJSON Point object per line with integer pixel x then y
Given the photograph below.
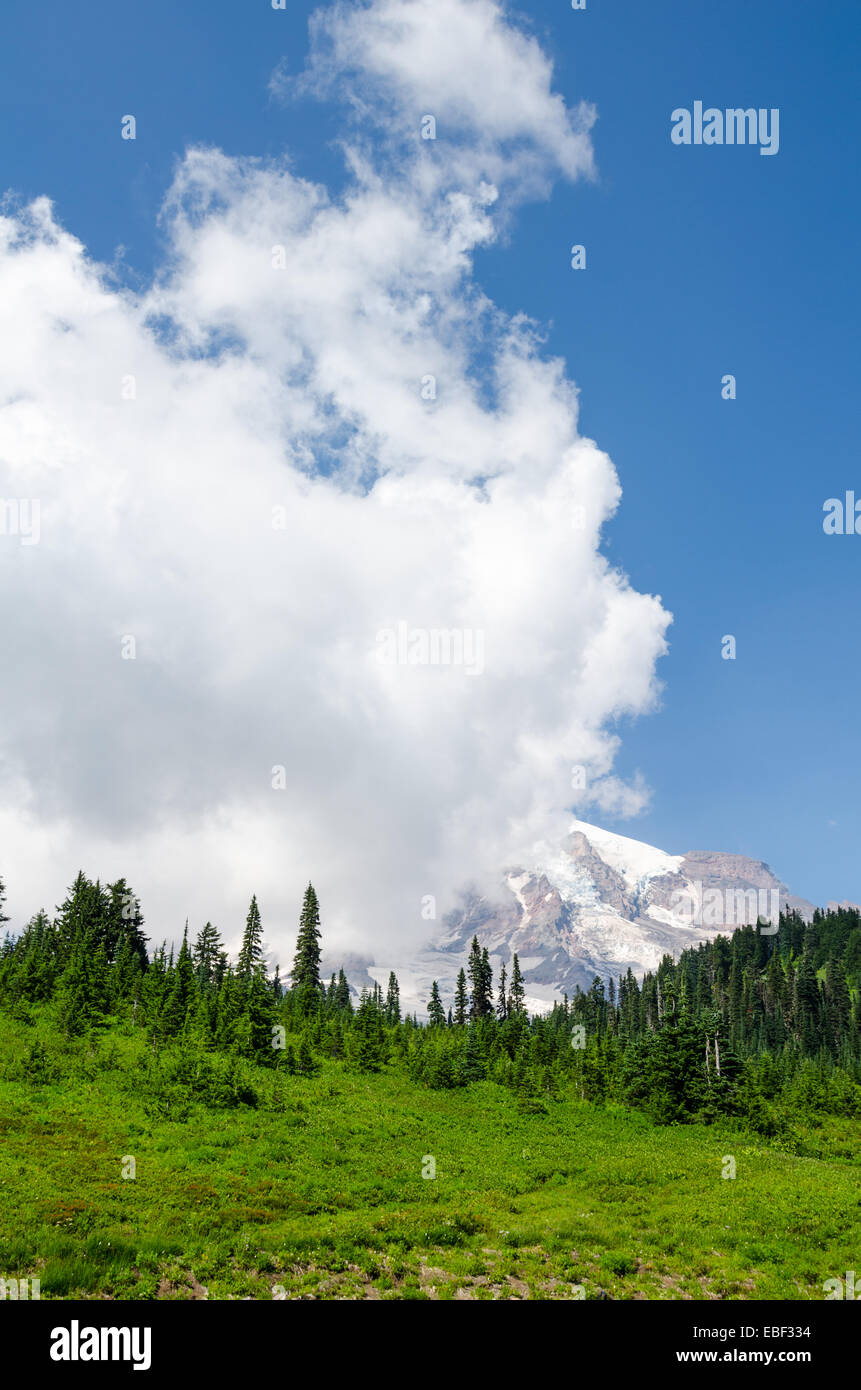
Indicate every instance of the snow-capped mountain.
{"type": "Point", "coordinates": [596, 904]}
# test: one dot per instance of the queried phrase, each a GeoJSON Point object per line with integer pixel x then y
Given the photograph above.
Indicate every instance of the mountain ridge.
{"type": "Point", "coordinates": [595, 903]}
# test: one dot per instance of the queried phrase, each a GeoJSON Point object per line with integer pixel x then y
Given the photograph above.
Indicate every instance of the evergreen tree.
{"type": "Point", "coordinates": [81, 916]}
{"type": "Point", "coordinates": [206, 953]}
{"type": "Point", "coordinates": [502, 1001]}
{"type": "Point", "coordinates": [676, 1081]}
{"type": "Point", "coordinates": [486, 984]}
{"type": "Point", "coordinates": [123, 923]}
{"type": "Point", "coordinates": [251, 950]}
{"type": "Point", "coordinates": [343, 1002]}
{"type": "Point", "coordinates": [366, 1044]}
{"type": "Point", "coordinates": [481, 981]}
{"type": "Point", "coordinates": [436, 1012]}
{"type": "Point", "coordinates": [393, 1000]}
{"type": "Point", "coordinates": [461, 999]}
{"type": "Point", "coordinates": [29, 966]}
{"type": "Point", "coordinates": [517, 1004]}
{"type": "Point", "coordinates": [306, 965]}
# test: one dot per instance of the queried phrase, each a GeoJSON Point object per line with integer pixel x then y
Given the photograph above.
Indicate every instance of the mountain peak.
{"type": "Point", "coordinates": [596, 903]}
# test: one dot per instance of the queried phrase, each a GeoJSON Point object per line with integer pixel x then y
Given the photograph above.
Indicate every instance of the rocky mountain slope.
{"type": "Point", "coordinates": [596, 904]}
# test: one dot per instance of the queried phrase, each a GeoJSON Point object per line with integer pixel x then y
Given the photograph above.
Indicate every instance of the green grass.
{"type": "Point", "coordinates": [319, 1192]}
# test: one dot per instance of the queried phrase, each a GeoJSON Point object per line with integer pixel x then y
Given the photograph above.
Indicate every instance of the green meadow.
{"type": "Point", "coordinates": [349, 1186]}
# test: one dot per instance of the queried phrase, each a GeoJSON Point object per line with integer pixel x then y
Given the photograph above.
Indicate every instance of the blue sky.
{"type": "Point", "coordinates": [701, 261]}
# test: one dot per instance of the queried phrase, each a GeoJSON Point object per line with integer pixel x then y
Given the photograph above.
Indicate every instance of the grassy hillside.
{"type": "Point", "coordinates": [317, 1188]}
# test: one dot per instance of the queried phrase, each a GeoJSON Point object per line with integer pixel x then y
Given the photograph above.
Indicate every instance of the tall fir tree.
{"type": "Point", "coordinates": [81, 914]}
{"type": "Point", "coordinates": [461, 999]}
{"type": "Point", "coordinates": [251, 950]}
{"type": "Point", "coordinates": [436, 1012]}
{"type": "Point", "coordinates": [343, 1001]}
{"type": "Point", "coordinates": [502, 1000]}
{"type": "Point", "coordinates": [481, 981]}
{"type": "Point", "coordinates": [306, 965]}
{"type": "Point", "coordinates": [517, 1005]}
{"type": "Point", "coordinates": [123, 923]}
{"type": "Point", "coordinates": [393, 1000]}
{"type": "Point", "coordinates": [486, 984]}
{"type": "Point", "coordinates": [205, 954]}
{"type": "Point", "coordinates": [366, 1043]}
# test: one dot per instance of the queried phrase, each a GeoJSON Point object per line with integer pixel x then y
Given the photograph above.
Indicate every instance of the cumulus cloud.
{"type": "Point", "coordinates": [486, 83]}
{"type": "Point", "coordinates": [310, 444]}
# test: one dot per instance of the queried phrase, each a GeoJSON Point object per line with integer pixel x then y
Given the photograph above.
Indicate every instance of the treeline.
{"type": "Point", "coordinates": [763, 1027]}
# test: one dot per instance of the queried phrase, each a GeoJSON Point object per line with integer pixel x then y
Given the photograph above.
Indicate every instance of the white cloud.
{"type": "Point", "coordinates": [487, 84]}
{"type": "Point", "coordinates": [300, 389]}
